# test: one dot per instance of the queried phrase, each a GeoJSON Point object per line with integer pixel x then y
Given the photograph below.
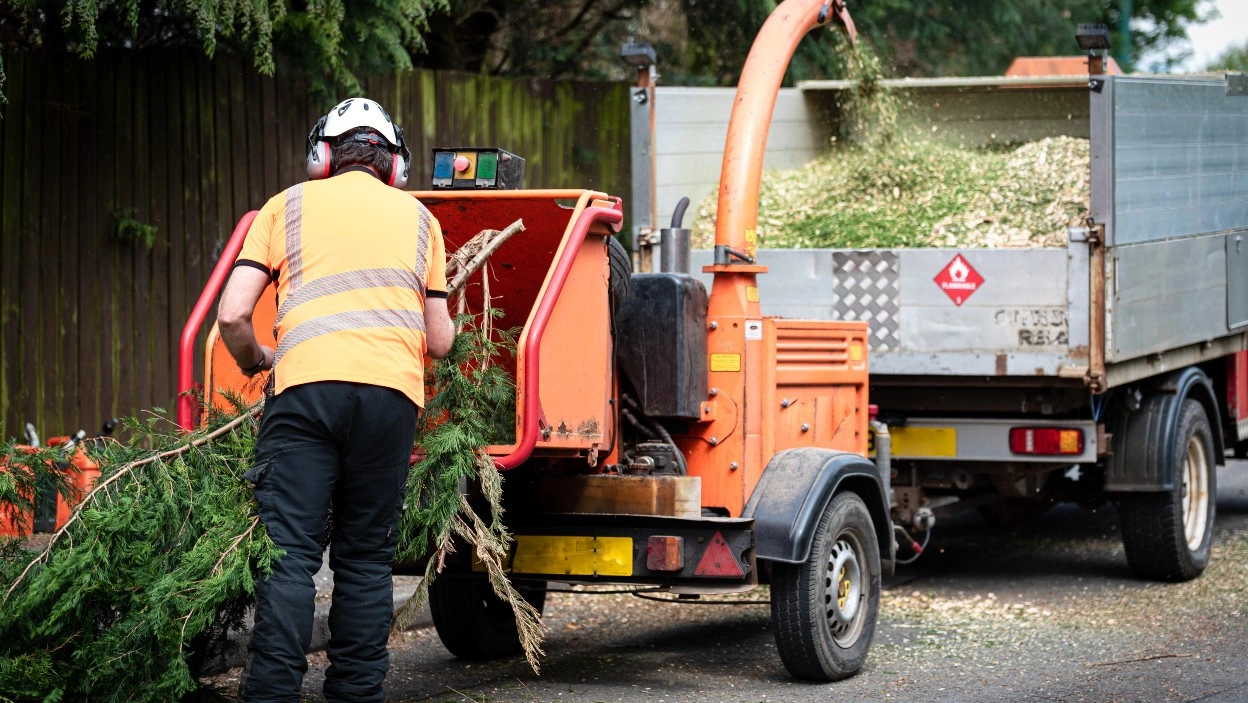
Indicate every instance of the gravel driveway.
{"type": "Point", "coordinates": [1047, 613]}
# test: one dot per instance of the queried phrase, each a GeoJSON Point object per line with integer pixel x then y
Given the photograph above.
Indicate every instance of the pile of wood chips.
{"type": "Point", "coordinates": [922, 194]}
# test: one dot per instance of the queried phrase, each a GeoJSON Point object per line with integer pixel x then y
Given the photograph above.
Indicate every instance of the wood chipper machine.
{"type": "Point", "coordinates": [664, 439]}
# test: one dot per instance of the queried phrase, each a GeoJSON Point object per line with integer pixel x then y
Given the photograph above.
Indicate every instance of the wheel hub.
{"type": "Point", "coordinates": [1195, 496]}
{"type": "Point", "coordinates": [844, 579]}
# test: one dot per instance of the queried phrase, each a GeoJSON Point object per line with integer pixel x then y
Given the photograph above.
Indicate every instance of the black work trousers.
{"type": "Point", "coordinates": [344, 445]}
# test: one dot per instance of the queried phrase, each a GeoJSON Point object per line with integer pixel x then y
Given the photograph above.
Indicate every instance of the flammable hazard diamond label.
{"type": "Point", "coordinates": [959, 280]}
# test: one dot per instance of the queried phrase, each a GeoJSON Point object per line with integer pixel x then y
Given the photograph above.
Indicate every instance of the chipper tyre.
{"type": "Point", "coordinates": [824, 610]}
{"type": "Point", "coordinates": [1167, 536]}
{"type": "Point", "coordinates": [621, 273]}
{"type": "Point", "coordinates": [472, 622]}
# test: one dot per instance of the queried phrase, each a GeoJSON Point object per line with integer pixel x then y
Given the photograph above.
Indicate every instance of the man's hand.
{"type": "Point", "coordinates": [264, 364]}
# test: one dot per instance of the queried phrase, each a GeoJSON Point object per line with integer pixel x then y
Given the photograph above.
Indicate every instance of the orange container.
{"type": "Point", "coordinates": [83, 473]}
{"type": "Point", "coordinates": [84, 478]}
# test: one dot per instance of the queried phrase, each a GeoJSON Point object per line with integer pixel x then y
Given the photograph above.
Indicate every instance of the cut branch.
{"type": "Point", "coordinates": [124, 471]}
{"type": "Point", "coordinates": [475, 252]}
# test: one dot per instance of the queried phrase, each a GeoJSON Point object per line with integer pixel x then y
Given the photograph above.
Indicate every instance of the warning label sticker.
{"type": "Point", "coordinates": [959, 280]}
{"type": "Point", "coordinates": [726, 362]}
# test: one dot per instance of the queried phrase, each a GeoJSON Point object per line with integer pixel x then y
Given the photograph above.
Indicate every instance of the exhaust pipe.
{"type": "Point", "coordinates": [674, 242]}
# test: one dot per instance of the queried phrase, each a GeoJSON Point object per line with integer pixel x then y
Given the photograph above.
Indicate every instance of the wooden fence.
{"type": "Point", "coordinates": [89, 319]}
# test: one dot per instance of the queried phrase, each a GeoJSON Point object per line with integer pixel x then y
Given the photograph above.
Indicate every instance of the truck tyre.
{"type": "Point", "coordinates": [1167, 536]}
{"type": "Point", "coordinates": [472, 622]}
{"type": "Point", "coordinates": [824, 610]}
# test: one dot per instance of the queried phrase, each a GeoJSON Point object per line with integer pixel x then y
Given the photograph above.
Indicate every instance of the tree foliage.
{"type": "Point", "coordinates": [1234, 58]}
{"type": "Point", "coordinates": [332, 41]}
{"type": "Point", "coordinates": [560, 39]}
{"type": "Point", "coordinates": [699, 41]}
{"type": "Point", "coordinates": [930, 38]}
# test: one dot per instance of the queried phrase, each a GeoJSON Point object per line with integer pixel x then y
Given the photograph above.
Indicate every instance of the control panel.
{"type": "Point", "coordinates": [473, 167]}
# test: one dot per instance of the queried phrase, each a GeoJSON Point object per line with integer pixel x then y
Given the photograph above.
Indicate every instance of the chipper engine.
{"type": "Point", "coordinates": [664, 438]}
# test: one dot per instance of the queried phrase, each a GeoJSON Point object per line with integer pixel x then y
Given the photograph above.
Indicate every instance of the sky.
{"type": "Point", "coordinates": [1210, 39]}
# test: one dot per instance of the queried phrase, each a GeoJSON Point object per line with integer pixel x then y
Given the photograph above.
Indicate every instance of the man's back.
{"type": "Point", "coordinates": [360, 270]}
{"type": "Point", "coordinates": [353, 260]}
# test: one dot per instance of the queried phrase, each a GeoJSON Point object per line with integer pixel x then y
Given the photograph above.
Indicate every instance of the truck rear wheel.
{"type": "Point", "coordinates": [1167, 536]}
{"type": "Point", "coordinates": [824, 610]}
{"type": "Point", "coordinates": [472, 622]}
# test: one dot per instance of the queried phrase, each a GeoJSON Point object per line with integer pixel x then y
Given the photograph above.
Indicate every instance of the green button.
{"type": "Point", "coordinates": [487, 165]}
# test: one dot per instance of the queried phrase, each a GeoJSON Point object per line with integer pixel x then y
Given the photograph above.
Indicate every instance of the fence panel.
{"type": "Point", "coordinates": [93, 151]}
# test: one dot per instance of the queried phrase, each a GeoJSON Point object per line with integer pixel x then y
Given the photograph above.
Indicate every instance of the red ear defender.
{"type": "Point", "coordinates": [318, 160]}
{"type": "Point", "coordinates": [398, 177]}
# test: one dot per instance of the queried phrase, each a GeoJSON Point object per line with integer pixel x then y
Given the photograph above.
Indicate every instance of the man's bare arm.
{"type": "Point", "coordinates": [243, 290]}
{"type": "Point", "coordinates": [439, 329]}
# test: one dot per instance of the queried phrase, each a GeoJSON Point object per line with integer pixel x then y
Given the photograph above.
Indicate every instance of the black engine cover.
{"type": "Point", "coordinates": [662, 346]}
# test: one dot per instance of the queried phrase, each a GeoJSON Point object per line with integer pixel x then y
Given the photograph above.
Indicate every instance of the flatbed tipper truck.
{"type": "Point", "coordinates": [1111, 370]}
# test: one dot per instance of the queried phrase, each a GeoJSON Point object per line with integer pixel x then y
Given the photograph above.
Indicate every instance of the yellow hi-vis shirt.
{"type": "Point", "coordinates": [353, 260]}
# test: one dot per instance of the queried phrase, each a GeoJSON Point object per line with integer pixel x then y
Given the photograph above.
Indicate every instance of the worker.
{"type": "Point", "coordinates": [360, 272]}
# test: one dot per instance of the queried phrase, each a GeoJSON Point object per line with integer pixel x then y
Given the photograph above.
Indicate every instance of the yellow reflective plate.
{"type": "Point", "coordinates": [919, 441]}
{"type": "Point", "coordinates": [576, 556]}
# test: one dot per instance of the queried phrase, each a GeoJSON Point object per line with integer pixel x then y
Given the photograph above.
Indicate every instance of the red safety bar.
{"type": "Point", "coordinates": [186, 347]}
{"type": "Point", "coordinates": [533, 343]}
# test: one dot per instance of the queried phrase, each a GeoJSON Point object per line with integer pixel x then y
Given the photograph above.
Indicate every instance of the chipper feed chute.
{"type": "Point", "coordinates": [551, 281]}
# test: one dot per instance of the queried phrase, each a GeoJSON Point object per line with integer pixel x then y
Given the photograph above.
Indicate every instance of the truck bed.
{"type": "Point", "coordinates": [1158, 281]}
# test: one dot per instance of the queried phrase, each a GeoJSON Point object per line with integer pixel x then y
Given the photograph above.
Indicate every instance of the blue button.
{"type": "Point", "coordinates": [444, 164]}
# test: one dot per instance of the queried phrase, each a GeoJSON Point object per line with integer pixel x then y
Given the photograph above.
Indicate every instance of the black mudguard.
{"type": "Point", "coordinates": [1143, 458]}
{"type": "Point", "coordinates": [795, 489]}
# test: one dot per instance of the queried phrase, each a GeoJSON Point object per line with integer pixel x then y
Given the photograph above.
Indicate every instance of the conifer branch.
{"type": "Point", "coordinates": [174, 544]}
{"type": "Point", "coordinates": [123, 471]}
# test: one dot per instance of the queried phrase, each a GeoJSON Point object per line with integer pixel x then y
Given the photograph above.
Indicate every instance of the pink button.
{"type": "Point", "coordinates": [461, 164]}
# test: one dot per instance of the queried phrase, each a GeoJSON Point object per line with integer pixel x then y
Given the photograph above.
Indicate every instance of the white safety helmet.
{"type": "Point", "coordinates": [350, 114]}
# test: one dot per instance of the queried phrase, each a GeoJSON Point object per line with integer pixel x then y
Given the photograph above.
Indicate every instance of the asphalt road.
{"type": "Point", "coordinates": [1045, 613]}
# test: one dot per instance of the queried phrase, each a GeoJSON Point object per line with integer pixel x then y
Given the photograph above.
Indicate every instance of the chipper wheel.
{"type": "Point", "coordinates": [621, 272]}
{"type": "Point", "coordinates": [1167, 536]}
{"type": "Point", "coordinates": [824, 610]}
{"type": "Point", "coordinates": [472, 622]}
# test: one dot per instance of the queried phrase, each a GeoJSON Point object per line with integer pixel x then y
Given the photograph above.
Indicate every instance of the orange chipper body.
{"type": "Point", "coordinates": [795, 374]}
{"type": "Point", "coordinates": [663, 438]}
{"type": "Point", "coordinates": [773, 384]}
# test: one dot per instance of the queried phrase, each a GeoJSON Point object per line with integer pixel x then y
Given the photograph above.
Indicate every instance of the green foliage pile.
{"type": "Point", "coordinates": [159, 562]}
{"type": "Point", "coordinates": [879, 186]}
{"type": "Point", "coordinates": [921, 194]}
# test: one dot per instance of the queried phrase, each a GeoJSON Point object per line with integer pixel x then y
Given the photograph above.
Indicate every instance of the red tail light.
{"type": "Point", "coordinates": [1056, 441]}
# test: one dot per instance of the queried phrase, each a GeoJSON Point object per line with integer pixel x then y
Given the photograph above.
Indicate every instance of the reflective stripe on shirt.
{"type": "Point", "coordinates": [348, 281]}
{"type": "Point", "coordinates": [294, 222]}
{"type": "Point", "coordinates": [350, 320]}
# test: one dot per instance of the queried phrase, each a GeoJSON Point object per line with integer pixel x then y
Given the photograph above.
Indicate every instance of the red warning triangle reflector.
{"type": "Point", "coordinates": [718, 560]}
